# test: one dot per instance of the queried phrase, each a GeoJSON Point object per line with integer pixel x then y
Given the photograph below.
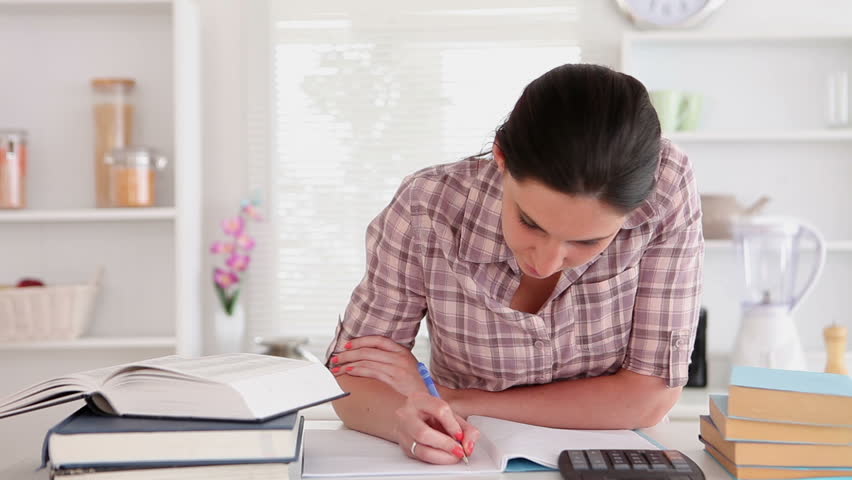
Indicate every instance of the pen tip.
{"type": "Point", "coordinates": [466, 461]}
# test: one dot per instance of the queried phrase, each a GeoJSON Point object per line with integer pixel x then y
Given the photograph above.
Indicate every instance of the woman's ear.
{"type": "Point", "coordinates": [498, 157]}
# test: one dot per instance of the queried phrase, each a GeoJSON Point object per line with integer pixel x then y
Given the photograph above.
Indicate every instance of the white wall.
{"type": "Point", "coordinates": [225, 173]}
{"type": "Point", "coordinates": [224, 166]}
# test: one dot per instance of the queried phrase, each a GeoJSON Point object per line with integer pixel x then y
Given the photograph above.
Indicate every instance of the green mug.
{"type": "Point", "coordinates": [692, 104]}
{"type": "Point", "coordinates": [677, 110]}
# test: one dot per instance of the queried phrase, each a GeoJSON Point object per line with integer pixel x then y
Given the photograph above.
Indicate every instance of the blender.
{"type": "Point", "coordinates": [770, 250]}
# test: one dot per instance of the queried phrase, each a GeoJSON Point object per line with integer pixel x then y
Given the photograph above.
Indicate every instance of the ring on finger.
{"type": "Point", "coordinates": [413, 446]}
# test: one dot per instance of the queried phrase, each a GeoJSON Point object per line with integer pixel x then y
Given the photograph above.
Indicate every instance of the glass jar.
{"type": "Point", "coordinates": [132, 176]}
{"type": "Point", "coordinates": [113, 109]}
{"type": "Point", "coordinates": [13, 169]}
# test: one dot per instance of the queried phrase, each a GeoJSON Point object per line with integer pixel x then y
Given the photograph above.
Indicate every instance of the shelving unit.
{"type": "Point", "coordinates": [90, 343]}
{"type": "Point", "coordinates": [89, 215]}
{"type": "Point", "coordinates": [777, 136]}
{"type": "Point", "coordinates": [149, 302]}
{"type": "Point", "coordinates": [762, 132]}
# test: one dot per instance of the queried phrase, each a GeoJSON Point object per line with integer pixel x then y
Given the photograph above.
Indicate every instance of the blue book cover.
{"type": "Point", "coordinates": [792, 381]}
{"type": "Point", "coordinates": [87, 422]}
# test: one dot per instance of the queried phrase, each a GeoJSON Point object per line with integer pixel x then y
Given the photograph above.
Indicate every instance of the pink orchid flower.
{"type": "Point", "coordinates": [225, 278]}
{"type": "Point", "coordinates": [233, 226]}
{"type": "Point", "coordinates": [245, 242]}
{"type": "Point", "coordinates": [252, 211]}
{"type": "Point", "coordinates": [238, 262]}
{"type": "Point", "coordinates": [222, 247]}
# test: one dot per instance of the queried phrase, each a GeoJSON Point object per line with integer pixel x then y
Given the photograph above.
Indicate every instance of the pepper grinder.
{"type": "Point", "coordinates": [835, 349]}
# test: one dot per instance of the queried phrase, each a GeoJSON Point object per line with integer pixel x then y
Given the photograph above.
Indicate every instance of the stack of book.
{"type": "Point", "coordinates": [216, 417]}
{"type": "Point", "coordinates": [781, 424]}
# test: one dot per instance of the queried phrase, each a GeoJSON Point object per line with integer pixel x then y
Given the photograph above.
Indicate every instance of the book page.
{"type": "Point", "coordinates": [543, 445]}
{"type": "Point", "coordinates": [225, 368]}
{"type": "Point", "coordinates": [241, 386]}
{"type": "Point", "coordinates": [347, 453]}
{"type": "Point", "coordinates": [271, 389]}
{"type": "Point", "coordinates": [54, 391]}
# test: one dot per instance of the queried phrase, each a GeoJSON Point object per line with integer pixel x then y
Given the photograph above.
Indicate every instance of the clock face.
{"type": "Point", "coordinates": [668, 13]}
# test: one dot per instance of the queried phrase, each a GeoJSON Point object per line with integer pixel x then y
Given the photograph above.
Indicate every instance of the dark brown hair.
{"type": "Point", "coordinates": [585, 129]}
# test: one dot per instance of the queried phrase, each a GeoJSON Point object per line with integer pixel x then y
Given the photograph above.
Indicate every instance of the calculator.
{"type": "Point", "coordinates": [624, 464]}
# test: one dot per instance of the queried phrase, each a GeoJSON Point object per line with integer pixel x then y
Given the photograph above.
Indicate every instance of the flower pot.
{"type": "Point", "coordinates": [229, 330]}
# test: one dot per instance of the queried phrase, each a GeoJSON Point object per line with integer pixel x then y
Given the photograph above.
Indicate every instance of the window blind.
{"type": "Point", "coordinates": [360, 95]}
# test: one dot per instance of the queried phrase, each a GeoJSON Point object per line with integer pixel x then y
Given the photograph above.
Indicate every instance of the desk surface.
{"type": "Point", "coordinates": [21, 440]}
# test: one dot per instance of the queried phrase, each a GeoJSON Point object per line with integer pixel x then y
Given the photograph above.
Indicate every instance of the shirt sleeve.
{"type": "Point", "coordinates": [390, 299]}
{"type": "Point", "coordinates": [665, 315]}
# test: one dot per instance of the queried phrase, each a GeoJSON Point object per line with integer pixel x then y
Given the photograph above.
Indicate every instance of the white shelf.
{"type": "Point", "coordinates": [833, 246]}
{"type": "Point", "coordinates": [679, 37]}
{"type": "Point", "coordinates": [839, 135]}
{"type": "Point", "coordinates": [94, 343]}
{"type": "Point", "coordinates": [88, 215]}
{"type": "Point", "coordinates": [106, 3]}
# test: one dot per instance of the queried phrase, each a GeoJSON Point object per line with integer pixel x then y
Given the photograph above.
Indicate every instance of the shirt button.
{"type": "Point", "coordinates": [539, 344]}
{"type": "Point", "coordinates": [680, 343]}
{"type": "Point", "coordinates": [540, 379]}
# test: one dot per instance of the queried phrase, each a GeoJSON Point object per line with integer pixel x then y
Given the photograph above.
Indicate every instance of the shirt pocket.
{"type": "Point", "coordinates": [603, 316]}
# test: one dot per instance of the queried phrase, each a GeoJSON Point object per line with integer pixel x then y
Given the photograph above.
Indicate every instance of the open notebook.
{"type": "Point", "coordinates": [347, 453]}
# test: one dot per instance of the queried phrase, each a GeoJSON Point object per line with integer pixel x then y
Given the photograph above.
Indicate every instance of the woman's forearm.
{"type": "Point", "coordinates": [370, 407]}
{"type": "Point", "coordinates": [623, 400]}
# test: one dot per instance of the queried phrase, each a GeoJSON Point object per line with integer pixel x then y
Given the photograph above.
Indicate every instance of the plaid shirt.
{"type": "Point", "coordinates": [438, 250]}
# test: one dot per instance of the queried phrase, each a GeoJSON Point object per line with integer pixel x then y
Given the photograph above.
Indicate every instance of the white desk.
{"type": "Point", "coordinates": [21, 441]}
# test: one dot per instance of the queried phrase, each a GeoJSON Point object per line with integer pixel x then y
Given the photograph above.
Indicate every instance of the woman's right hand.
{"type": "Point", "coordinates": [438, 431]}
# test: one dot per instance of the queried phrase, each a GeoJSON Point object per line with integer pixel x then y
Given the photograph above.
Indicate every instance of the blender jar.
{"type": "Point", "coordinates": [770, 251]}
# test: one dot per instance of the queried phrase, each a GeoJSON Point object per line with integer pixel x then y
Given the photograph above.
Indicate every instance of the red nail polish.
{"type": "Point", "coordinates": [348, 345]}
{"type": "Point", "coordinates": [335, 369]}
{"type": "Point", "coordinates": [458, 451]}
{"type": "Point", "coordinates": [459, 436]}
{"type": "Point", "coordinates": [335, 359]}
{"type": "Point", "coordinates": [348, 369]}
{"type": "Point", "coordinates": [470, 448]}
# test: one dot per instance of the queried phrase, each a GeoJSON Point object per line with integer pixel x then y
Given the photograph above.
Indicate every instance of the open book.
{"type": "Point", "coordinates": [240, 386]}
{"type": "Point", "coordinates": [347, 453]}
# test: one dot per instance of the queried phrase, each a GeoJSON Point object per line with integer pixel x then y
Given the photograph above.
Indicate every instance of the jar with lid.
{"type": "Point", "coordinates": [113, 109]}
{"type": "Point", "coordinates": [132, 176]}
{"type": "Point", "coordinates": [13, 169]}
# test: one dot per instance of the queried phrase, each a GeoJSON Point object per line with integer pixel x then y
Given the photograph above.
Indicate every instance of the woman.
{"type": "Point", "coordinates": [560, 277]}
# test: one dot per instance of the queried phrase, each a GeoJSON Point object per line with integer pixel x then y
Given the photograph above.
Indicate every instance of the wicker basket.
{"type": "Point", "coordinates": [59, 312]}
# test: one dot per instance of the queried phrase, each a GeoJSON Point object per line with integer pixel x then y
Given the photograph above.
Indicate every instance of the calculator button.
{"type": "Point", "coordinates": [595, 456]}
{"type": "Point", "coordinates": [637, 461]}
{"type": "Point", "coordinates": [596, 459]}
{"type": "Point", "coordinates": [673, 454]}
{"type": "Point", "coordinates": [657, 460]}
{"type": "Point", "coordinates": [616, 457]}
{"type": "Point", "coordinates": [578, 460]}
{"type": "Point", "coordinates": [678, 461]}
{"type": "Point", "coordinates": [618, 460]}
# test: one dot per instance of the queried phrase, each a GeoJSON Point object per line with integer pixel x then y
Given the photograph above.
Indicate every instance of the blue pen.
{"type": "Point", "coordinates": [430, 385]}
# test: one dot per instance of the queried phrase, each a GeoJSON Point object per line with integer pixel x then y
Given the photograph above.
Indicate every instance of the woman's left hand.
{"type": "Point", "coordinates": [380, 358]}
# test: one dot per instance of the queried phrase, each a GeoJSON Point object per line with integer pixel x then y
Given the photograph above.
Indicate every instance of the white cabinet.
{"type": "Point", "coordinates": [763, 131]}
{"type": "Point", "coordinates": [149, 302]}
